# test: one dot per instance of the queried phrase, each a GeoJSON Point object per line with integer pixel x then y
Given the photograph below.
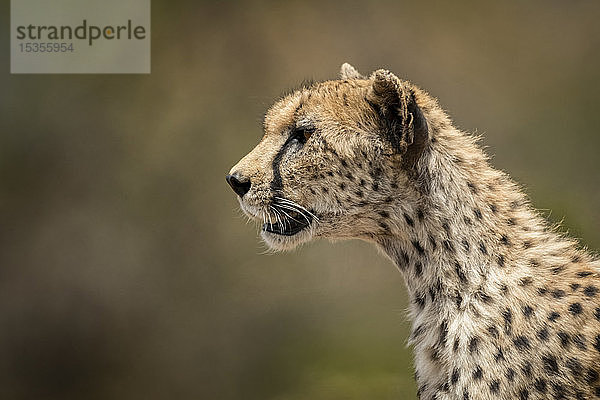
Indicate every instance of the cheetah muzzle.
{"type": "Point", "coordinates": [503, 306]}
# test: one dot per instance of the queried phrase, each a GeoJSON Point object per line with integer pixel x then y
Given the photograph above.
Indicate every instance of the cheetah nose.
{"type": "Point", "coordinates": [239, 184]}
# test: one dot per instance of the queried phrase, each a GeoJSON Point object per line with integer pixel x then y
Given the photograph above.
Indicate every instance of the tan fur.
{"type": "Point", "coordinates": [502, 306]}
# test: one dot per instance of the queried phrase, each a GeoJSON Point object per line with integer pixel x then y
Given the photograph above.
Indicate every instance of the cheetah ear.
{"type": "Point", "coordinates": [347, 71]}
{"type": "Point", "coordinates": [405, 126]}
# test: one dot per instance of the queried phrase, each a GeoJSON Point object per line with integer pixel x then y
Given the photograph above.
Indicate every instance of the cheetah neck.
{"type": "Point", "coordinates": [474, 255]}
{"type": "Point", "coordinates": [471, 236]}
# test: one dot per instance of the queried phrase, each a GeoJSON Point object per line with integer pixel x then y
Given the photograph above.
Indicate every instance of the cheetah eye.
{"type": "Point", "coordinates": [302, 134]}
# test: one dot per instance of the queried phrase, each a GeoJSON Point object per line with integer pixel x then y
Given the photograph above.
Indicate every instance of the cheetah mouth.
{"type": "Point", "coordinates": [289, 223]}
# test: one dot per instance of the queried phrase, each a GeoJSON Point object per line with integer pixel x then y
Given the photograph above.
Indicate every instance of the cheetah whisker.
{"type": "Point", "coordinates": [290, 208]}
{"type": "Point", "coordinates": [278, 218]}
{"type": "Point", "coordinates": [294, 204]}
{"type": "Point", "coordinates": [289, 216]}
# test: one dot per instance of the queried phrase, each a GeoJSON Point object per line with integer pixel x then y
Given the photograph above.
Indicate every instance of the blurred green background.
{"type": "Point", "coordinates": [126, 268]}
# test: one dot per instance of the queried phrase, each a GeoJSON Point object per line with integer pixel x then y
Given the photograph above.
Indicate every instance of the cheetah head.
{"type": "Point", "coordinates": [335, 157]}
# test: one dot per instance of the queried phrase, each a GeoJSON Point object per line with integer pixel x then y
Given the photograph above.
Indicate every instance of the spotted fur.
{"type": "Point", "coordinates": [502, 305]}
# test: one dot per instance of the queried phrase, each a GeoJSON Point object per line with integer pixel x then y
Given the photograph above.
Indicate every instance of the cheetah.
{"type": "Point", "coordinates": [502, 304]}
